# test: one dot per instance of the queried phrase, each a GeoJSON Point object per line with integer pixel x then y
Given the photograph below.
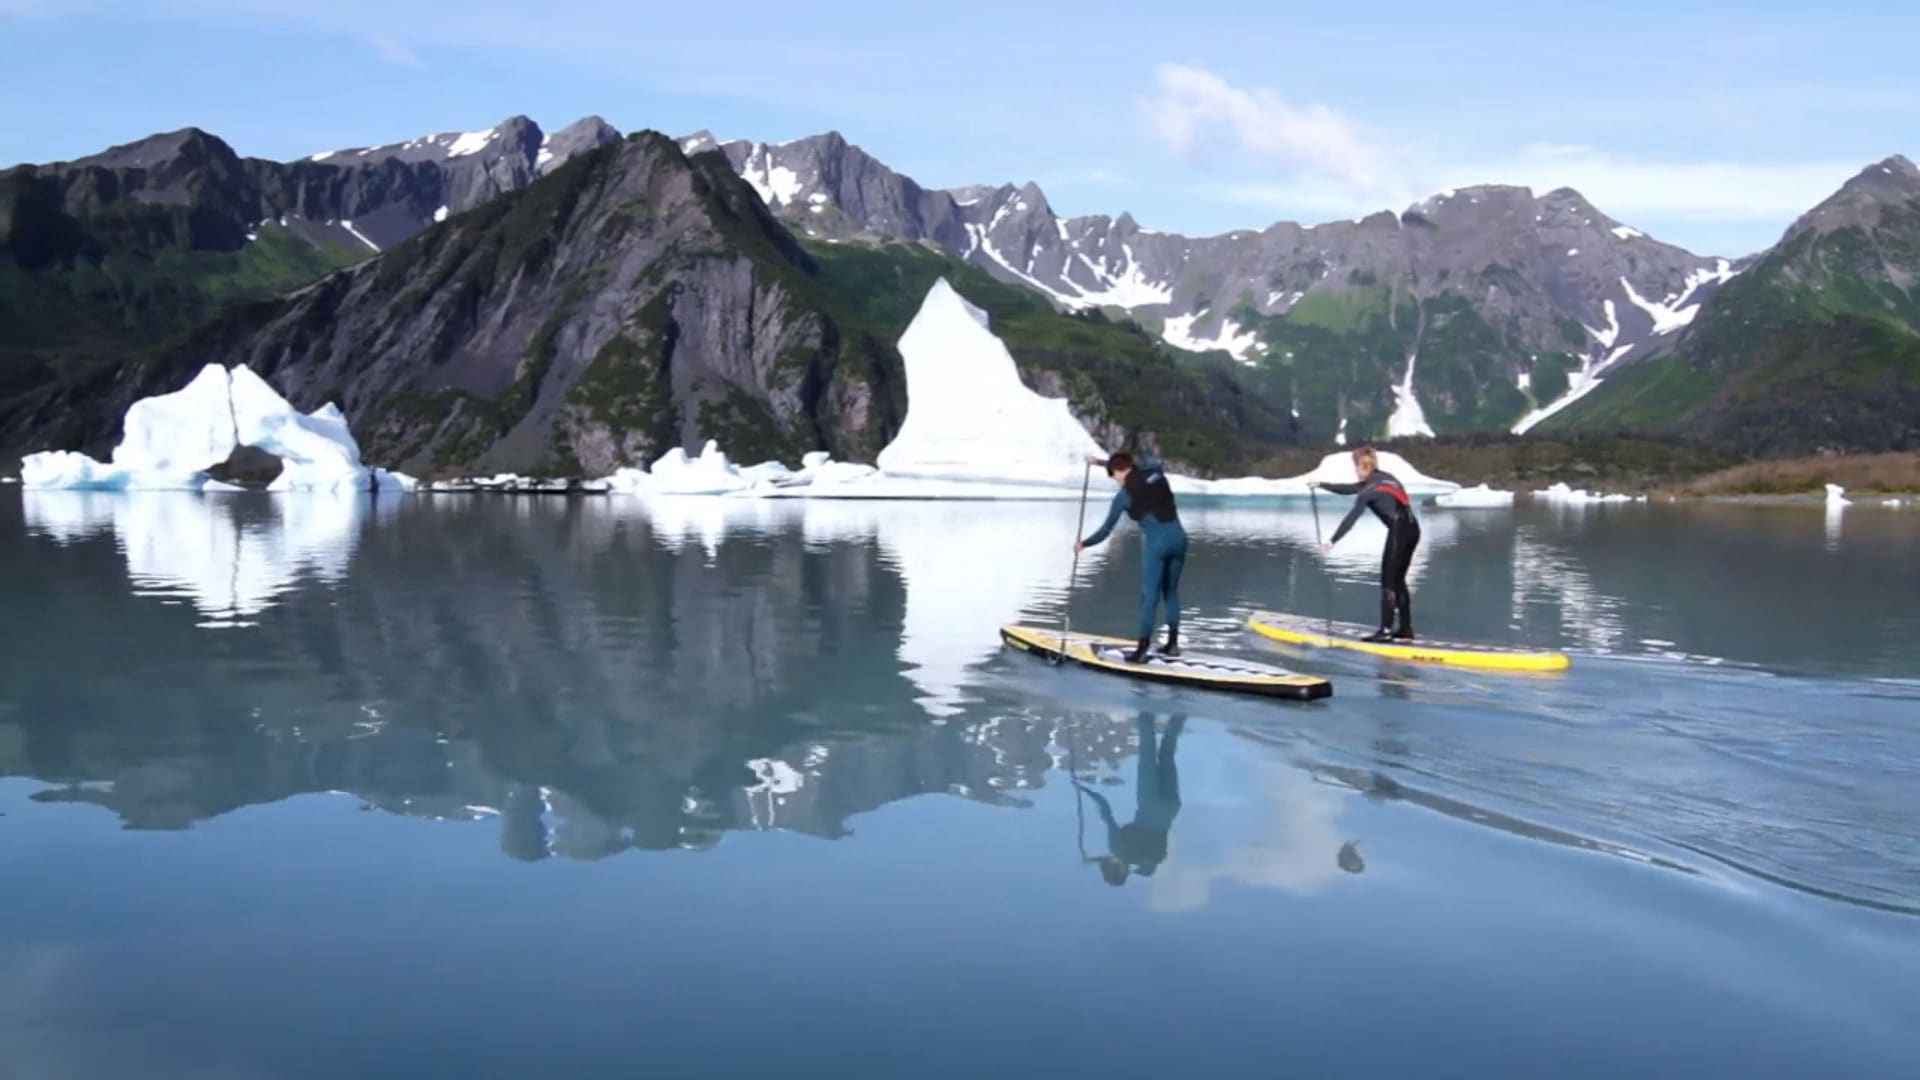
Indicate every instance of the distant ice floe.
{"type": "Point", "coordinates": [171, 440]}
{"type": "Point", "coordinates": [1561, 493]}
{"type": "Point", "coordinates": [1478, 497]}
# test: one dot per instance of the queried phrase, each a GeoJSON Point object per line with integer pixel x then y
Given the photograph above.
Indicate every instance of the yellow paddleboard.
{"type": "Point", "coordinates": [1109, 654]}
{"type": "Point", "coordinates": [1298, 630]}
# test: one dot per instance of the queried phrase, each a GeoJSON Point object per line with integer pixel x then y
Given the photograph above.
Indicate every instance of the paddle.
{"type": "Point", "coordinates": [1066, 611]}
{"type": "Point", "coordinates": [1315, 500]}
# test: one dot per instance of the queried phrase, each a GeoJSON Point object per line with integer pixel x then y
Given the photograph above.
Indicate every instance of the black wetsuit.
{"type": "Point", "coordinates": [1383, 494]}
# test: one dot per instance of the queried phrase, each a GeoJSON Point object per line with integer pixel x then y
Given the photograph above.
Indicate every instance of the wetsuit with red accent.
{"type": "Point", "coordinates": [1387, 497]}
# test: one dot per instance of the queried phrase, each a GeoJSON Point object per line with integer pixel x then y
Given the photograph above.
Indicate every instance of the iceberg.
{"type": "Point", "coordinates": [1478, 497]}
{"type": "Point", "coordinates": [677, 474]}
{"type": "Point", "coordinates": [969, 417]}
{"type": "Point", "coordinates": [973, 430]}
{"type": "Point", "coordinates": [171, 440]}
{"type": "Point", "coordinates": [1837, 496]}
{"type": "Point", "coordinates": [1561, 493]}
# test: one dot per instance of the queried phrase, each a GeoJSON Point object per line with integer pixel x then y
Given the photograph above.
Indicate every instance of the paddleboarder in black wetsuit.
{"type": "Point", "coordinates": [1382, 493]}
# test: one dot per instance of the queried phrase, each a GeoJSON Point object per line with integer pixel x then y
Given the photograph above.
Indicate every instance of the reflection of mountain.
{"type": "Point", "coordinates": [573, 667]}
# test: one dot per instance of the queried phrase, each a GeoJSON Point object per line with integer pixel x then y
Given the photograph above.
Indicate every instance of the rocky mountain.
{"type": "Point", "coordinates": [1815, 347]}
{"type": "Point", "coordinates": [1479, 309]}
{"type": "Point", "coordinates": [154, 235]}
{"type": "Point", "coordinates": [630, 301]}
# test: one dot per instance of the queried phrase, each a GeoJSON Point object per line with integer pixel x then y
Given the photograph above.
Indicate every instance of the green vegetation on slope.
{"type": "Point", "coordinates": [1814, 347]}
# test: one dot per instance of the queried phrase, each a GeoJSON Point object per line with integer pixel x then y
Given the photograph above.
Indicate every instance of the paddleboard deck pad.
{"type": "Point", "coordinates": [1199, 670]}
{"type": "Point", "coordinates": [1300, 630]}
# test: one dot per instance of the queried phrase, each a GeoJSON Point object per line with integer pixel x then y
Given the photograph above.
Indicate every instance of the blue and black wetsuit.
{"type": "Point", "coordinates": [1148, 499]}
{"type": "Point", "coordinates": [1387, 497]}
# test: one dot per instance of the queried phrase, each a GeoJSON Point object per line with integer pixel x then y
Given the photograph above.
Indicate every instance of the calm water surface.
{"type": "Point", "coordinates": [470, 786]}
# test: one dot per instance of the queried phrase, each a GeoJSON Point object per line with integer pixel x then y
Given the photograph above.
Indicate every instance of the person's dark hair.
{"type": "Point", "coordinates": [1121, 460]}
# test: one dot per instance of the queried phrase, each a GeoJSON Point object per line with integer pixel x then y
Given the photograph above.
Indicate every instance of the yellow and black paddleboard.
{"type": "Point", "coordinates": [1299, 630]}
{"type": "Point", "coordinates": [1109, 654]}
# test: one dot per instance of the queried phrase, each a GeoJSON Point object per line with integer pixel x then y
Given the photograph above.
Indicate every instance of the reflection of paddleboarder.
{"type": "Point", "coordinates": [1142, 843]}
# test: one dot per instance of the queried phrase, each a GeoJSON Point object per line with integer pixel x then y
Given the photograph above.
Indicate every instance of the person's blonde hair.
{"type": "Point", "coordinates": [1366, 454]}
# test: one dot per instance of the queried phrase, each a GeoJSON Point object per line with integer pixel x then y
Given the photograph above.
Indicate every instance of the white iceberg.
{"type": "Point", "coordinates": [675, 473]}
{"type": "Point", "coordinates": [969, 417]}
{"type": "Point", "coordinates": [1478, 497]}
{"type": "Point", "coordinates": [973, 430]}
{"type": "Point", "coordinates": [1561, 493]}
{"type": "Point", "coordinates": [171, 440]}
{"type": "Point", "coordinates": [1837, 496]}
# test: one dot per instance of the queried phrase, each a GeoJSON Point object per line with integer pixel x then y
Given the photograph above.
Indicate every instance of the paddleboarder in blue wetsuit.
{"type": "Point", "coordinates": [1382, 493]}
{"type": "Point", "coordinates": [1146, 497]}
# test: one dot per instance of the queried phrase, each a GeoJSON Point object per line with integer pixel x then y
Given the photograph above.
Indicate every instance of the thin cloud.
{"type": "Point", "coordinates": [394, 52]}
{"type": "Point", "coordinates": [1196, 113]}
{"type": "Point", "coordinates": [1331, 171]}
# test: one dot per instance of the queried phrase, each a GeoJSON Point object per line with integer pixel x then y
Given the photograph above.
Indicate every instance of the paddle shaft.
{"type": "Point", "coordinates": [1315, 500]}
{"type": "Point", "coordinates": [1066, 611]}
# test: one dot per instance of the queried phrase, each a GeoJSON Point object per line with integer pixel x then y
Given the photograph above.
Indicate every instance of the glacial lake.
{"type": "Point", "coordinates": [478, 786]}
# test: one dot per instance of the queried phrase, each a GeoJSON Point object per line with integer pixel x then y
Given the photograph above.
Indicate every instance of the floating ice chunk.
{"type": "Point", "coordinates": [1561, 493]}
{"type": "Point", "coordinates": [1837, 496]}
{"type": "Point", "coordinates": [677, 474]}
{"type": "Point", "coordinates": [1478, 497]}
{"type": "Point", "coordinates": [171, 440]}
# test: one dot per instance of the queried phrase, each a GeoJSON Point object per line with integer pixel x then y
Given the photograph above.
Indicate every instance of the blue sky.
{"type": "Point", "coordinates": [1710, 126]}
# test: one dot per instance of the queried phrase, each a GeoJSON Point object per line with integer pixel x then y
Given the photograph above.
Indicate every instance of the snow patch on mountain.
{"type": "Point", "coordinates": [1178, 332]}
{"type": "Point", "coordinates": [1626, 233]}
{"type": "Point", "coordinates": [1582, 383]}
{"type": "Point", "coordinates": [1125, 285]}
{"type": "Point", "coordinates": [1606, 337]}
{"type": "Point", "coordinates": [1408, 418]}
{"type": "Point", "coordinates": [472, 142]}
{"type": "Point", "coordinates": [776, 185]}
{"type": "Point", "coordinates": [358, 235]}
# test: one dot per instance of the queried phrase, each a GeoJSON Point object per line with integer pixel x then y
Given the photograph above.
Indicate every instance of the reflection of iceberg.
{"type": "Point", "coordinates": [1587, 616]}
{"type": "Point", "coordinates": [171, 440]}
{"type": "Point", "coordinates": [967, 573]}
{"type": "Point", "coordinates": [201, 549]}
